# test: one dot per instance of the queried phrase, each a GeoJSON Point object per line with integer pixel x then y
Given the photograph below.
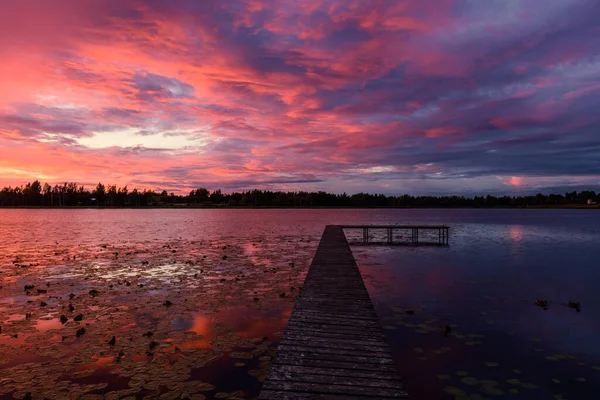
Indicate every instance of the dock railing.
{"type": "Point", "coordinates": [443, 233]}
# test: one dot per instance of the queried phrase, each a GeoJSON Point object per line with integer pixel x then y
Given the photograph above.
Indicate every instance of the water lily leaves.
{"type": "Point", "coordinates": [469, 380]}
{"type": "Point", "coordinates": [129, 309]}
{"type": "Point", "coordinates": [491, 364]}
{"type": "Point", "coordinates": [242, 355]}
{"type": "Point", "coordinates": [580, 379]}
{"type": "Point", "coordinates": [513, 391]}
{"type": "Point", "coordinates": [462, 373]}
{"type": "Point", "coordinates": [454, 391]}
{"type": "Point", "coordinates": [513, 381]}
{"type": "Point", "coordinates": [529, 385]}
{"type": "Point", "coordinates": [555, 380]}
{"type": "Point", "coordinates": [493, 390]}
{"type": "Point", "coordinates": [443, 377]}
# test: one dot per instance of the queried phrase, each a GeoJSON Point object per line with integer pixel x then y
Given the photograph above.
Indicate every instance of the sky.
{"type": "Point", "coordinates": [387, 96]}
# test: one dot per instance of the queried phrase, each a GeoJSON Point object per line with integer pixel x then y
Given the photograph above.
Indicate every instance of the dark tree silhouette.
{"type": "Point", "coordinates": [70, 194]}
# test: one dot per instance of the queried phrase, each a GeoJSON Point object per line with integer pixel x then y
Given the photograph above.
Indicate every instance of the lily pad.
{"type": "Point", "coordinates": [469, 380]}
{"type": "Point", "coordinates": [492, 390]}
{"type": "Point", "coordinates": [454, 391]}
{"type": "Point", "coordinates": [529, 385]}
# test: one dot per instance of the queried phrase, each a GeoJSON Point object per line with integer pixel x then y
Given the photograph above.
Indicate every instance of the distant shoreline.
{"type": "Point", "coordinates": [227, 207]}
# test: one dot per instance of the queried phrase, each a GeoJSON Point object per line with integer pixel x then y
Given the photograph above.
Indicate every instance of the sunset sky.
{"type": "Point", "coordinates": [388, 96]}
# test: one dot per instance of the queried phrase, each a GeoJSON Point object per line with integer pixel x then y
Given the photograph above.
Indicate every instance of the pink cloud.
{"type": "Point", "coordinates": [256, 90]}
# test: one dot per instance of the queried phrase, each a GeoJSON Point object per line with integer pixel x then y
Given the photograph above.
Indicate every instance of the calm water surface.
{"type": "Point", "coordinates": [231, 277]}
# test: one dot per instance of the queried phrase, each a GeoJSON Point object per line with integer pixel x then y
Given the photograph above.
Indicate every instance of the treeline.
{"type": "Point", "coordinates": [71, 194]}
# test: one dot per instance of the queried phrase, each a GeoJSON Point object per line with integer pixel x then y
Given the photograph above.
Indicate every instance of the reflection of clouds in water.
{"type": "Point", "coordinates": [204, 326]}
{"type": "Point", "coordinates": [516, 233]}
{"type": "Point", "coordinates": [479, 285]}
{"type": "Point", "coordinates": [44, 325]}
{"type": "Point", "coordinates": [432, 281]}
{"type": "Point", "coordinates": [258, 324]}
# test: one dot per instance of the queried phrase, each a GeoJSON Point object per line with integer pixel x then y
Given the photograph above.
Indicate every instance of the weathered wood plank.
{"type": "Point", "coordinates": [281, 395]}
{"type": "Point", "coordinates": [285, 359]}
{"type": "Point", "coordinates": [333, 347]}
{"type": "Point", "coordinates": [296, 376]}
{"type": "Point", "coordinates": [349, 373]}
{"type": "Point", "coordinates": [333, 389]}
{"type": "Point", "coordinates": [355, 345]}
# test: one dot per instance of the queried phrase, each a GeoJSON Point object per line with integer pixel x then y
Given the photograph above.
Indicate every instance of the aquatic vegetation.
{"type": "Point", "coordinates": [447, 330]}
{"type": "Point", "coordinates": [542, 303]}
{"type": "Point", "coordinates": [482, 359]}
{"type": "Point", "coordinates": [575, 305]}
{"type": "Point", "coordinates": [209, 324]}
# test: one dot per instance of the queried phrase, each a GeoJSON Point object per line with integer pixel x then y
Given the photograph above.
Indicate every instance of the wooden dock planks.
{"type": "Point", "coordinates": [333, 346]}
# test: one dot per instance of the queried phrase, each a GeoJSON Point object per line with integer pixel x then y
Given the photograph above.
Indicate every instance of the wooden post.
{"type": "Point", "coordinates": [389, 235]}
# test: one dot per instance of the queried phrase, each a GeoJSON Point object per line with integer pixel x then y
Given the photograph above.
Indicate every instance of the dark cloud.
{"type": "Point", "coordinates": [152, 87]}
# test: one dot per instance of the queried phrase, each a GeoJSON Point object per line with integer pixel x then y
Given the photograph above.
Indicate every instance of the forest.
{"type": "Point", "coordinates": [72, 195]}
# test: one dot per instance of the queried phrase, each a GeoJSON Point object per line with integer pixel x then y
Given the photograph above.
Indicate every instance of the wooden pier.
{"type": "Point", "coordinates": [443, 233]}
{"type": "Point", "coordinates": [333, 346]}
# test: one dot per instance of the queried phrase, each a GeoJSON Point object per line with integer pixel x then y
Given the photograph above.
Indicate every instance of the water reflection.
{"type": "Point", "coordinates": [211, 272]}
{"type": "Point", "coordinates": [501, 343]}
{"type": "Point", "coordinates": [45, 325]}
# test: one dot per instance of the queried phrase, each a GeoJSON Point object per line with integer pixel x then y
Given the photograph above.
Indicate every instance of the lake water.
{"type": "Point", "coordinates": [215, 289]}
